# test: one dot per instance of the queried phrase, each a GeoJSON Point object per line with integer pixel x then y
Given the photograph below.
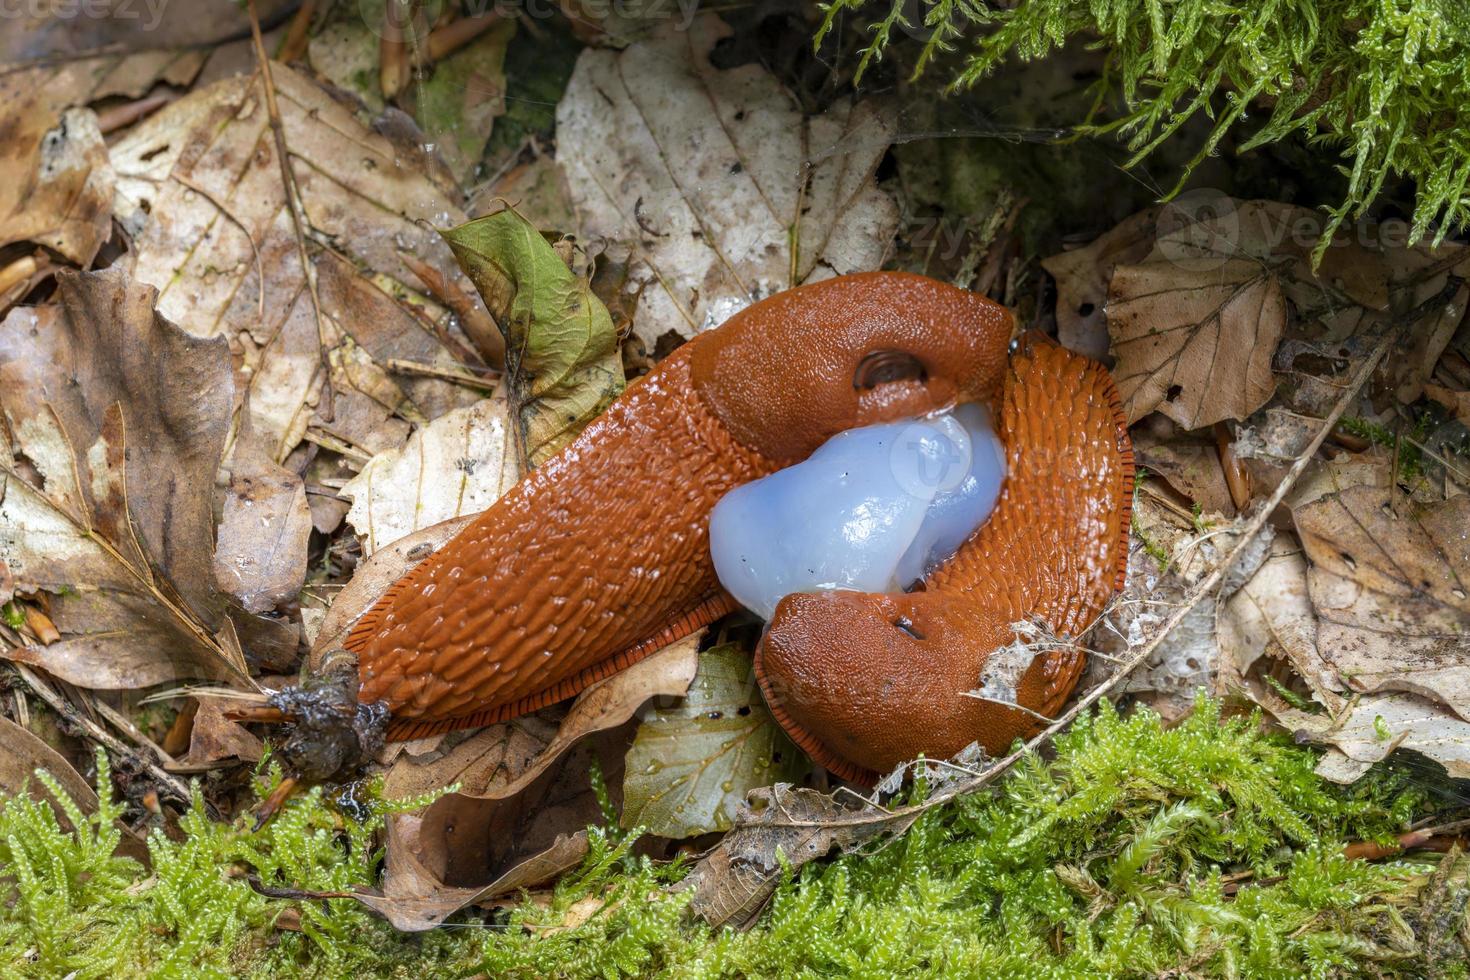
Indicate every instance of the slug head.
{"type": "Point", "coordinates": [790, 372]}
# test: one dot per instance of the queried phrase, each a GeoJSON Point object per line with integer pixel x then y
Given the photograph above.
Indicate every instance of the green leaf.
{"type": "Point", "coordinates": [561, 349]}
{"type": "Point", "coordinates": [691, 764]}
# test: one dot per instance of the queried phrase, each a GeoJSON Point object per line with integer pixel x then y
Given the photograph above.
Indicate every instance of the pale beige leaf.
{"type": "Point", "coordinates": [260, 557]}
{"type": "Point", "coordinates": [715, 181]}
{"type": "Point", "coordinates": [201, 194]}
{"type": "Point", "coordinates": [457, 465]}
{"type": "Point", "coordinates": [1371, 727]}
{"type": "Point", "coordinates": [1271, 618]}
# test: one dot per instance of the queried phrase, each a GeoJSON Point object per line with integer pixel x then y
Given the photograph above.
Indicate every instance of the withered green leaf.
{"type": "Point", "coordinates": [561, 349]}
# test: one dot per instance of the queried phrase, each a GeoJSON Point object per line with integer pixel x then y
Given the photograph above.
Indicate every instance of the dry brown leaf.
{"type": "Point", "coordinates": [201, 196]}
{"type": "Point", "coordinates": [723, 190]}
{"type": "Point", "coordinates": [502, 760]}
{"type": "Point", "coordinates": [214, 738]}
{"type": "Point", "coordinates": [1389, 582]}
{"type": "Point", "coordinates": [24, 754]}
{"type": "Point", "coordinates": [116, 420]}
{"type": "Point", "coordinates": [1082, 276]}
{"type": "Point", "coordinates": [1191, 467]}
{"type": "Point", "coordinates": [780, 823]}
{"type": "Point", "coordinates": [457, 465]}
{"type": "Point", "coordinates": [1193, 338]}
{"type": "Point", "coordinates": [462, 850]}
{"type": "Point", "coordinates": [56, 182]}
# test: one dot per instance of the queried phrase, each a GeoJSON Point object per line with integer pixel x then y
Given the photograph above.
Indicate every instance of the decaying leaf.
{"type": "Point", "coordinates": [200, 194]}
{"type": "Point", "coordinates": [24, 754]}
{"type": "Point", "coordinates": [116, 421]}
{"type": "Point", "coordinates": [1389, 583]}
{"type": "Point", "coordinates": [1271, 617]}
{"type": "Point", "coordinates": [1191, 466]}
{"type": "Point", "coordinates": [561, 351]}
{"type": "Point", "coordinates": [57, 181]}
{"type": "Point", "coordinates": [456, 465]}
{"type": "Point", "coordinates": [463, 849]}
{"type": "Point", "coordinates": [1193, 338]}
{"type": "Point", "coordinates": [1372, 726]}
{"type": "Point", "coordinates": [260, 556]}
{"type": "Point", "coordinates": [1082, 276]}
{"type": "Point", "coordinates": [214, 738]}
{"type": "Point", "coordinates": [502, 760]}
{"type": "Point", "coordinates": [781, 823]}
{"type": "Point", "coordinates": [692, 763]}
{"type": "Point", "coordinates": [714, 179]}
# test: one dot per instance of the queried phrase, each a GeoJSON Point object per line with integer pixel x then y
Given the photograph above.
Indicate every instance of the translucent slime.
{"type": "Point", "coordinates": [874, 509]}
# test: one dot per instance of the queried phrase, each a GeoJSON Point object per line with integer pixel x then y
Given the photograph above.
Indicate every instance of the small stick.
{"type": "Point", "coordinates": [478, 325]}
{"type": "Point", "coordinates": [419, 369]}
{"type": "Point", "coordinates": [1237, 478]}
{"type": "Point", "coordinates": [293, 204]}
{"type": "Point", "coordinates": [175, 786]}
{"type": "Point", "coordinates": [120, 116]}
{"type": "Point", "coordinates": [20, 271]}
{"type": "Point", "coordinates": [451, 37]}
{"type": "Point", "coordinates": [293, 46]}
{"type": "Point", "coordinates": [392, 51]}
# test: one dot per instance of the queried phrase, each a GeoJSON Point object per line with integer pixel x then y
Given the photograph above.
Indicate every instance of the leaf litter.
{"type": "Point", "coordinates": [357, 387]}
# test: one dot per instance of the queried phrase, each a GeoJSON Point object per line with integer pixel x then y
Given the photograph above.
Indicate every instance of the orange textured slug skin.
{"type": "Point", "coordinates": [865, 682]}
{"type": "Point", "coordinates": [601, 555]}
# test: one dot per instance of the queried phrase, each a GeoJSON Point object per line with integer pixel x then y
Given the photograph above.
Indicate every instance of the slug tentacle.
{"type": "Point", "coordinates": [864, 682]}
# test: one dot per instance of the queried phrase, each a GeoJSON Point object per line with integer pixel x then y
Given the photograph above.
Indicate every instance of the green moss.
{"type": "Point", "coordinates": [1383, 82]}
{"type": "Point", "coordinates": [1209, 849]}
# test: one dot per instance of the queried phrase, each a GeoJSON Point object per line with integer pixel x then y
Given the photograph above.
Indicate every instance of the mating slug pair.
{"type": "Point", "coordinates": [602, 555]}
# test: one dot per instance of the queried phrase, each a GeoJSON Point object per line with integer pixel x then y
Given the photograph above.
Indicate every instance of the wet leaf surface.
{"type": "Point", "coordinates": [693, 762]}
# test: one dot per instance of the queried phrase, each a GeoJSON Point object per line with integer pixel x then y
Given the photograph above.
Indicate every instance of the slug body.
{"type": "Point", "coordinates": [601, 556]}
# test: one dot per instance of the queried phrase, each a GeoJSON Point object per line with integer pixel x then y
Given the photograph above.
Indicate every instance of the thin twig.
{"type": "Point", "coordinates": [1206, 587]}
{"type": "Point", "coordinates": [293, 204]}
{"type": "Point", "coordinates": [457, 375]}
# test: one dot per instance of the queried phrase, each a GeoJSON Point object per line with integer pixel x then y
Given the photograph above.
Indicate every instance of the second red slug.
{"type": "Point", "coordinates": [601, 556]}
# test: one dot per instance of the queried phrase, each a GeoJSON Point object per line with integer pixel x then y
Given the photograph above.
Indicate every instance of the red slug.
{"type": "Point", "coordinates": [601, 556]}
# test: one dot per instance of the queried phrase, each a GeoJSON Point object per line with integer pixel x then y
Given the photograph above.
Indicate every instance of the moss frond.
{"type": "Point", "coordinates": [1383, 82]}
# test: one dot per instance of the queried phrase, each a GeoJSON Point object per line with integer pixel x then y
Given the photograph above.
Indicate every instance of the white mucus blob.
{"type": "Point", "coordinates": [874, 509]}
